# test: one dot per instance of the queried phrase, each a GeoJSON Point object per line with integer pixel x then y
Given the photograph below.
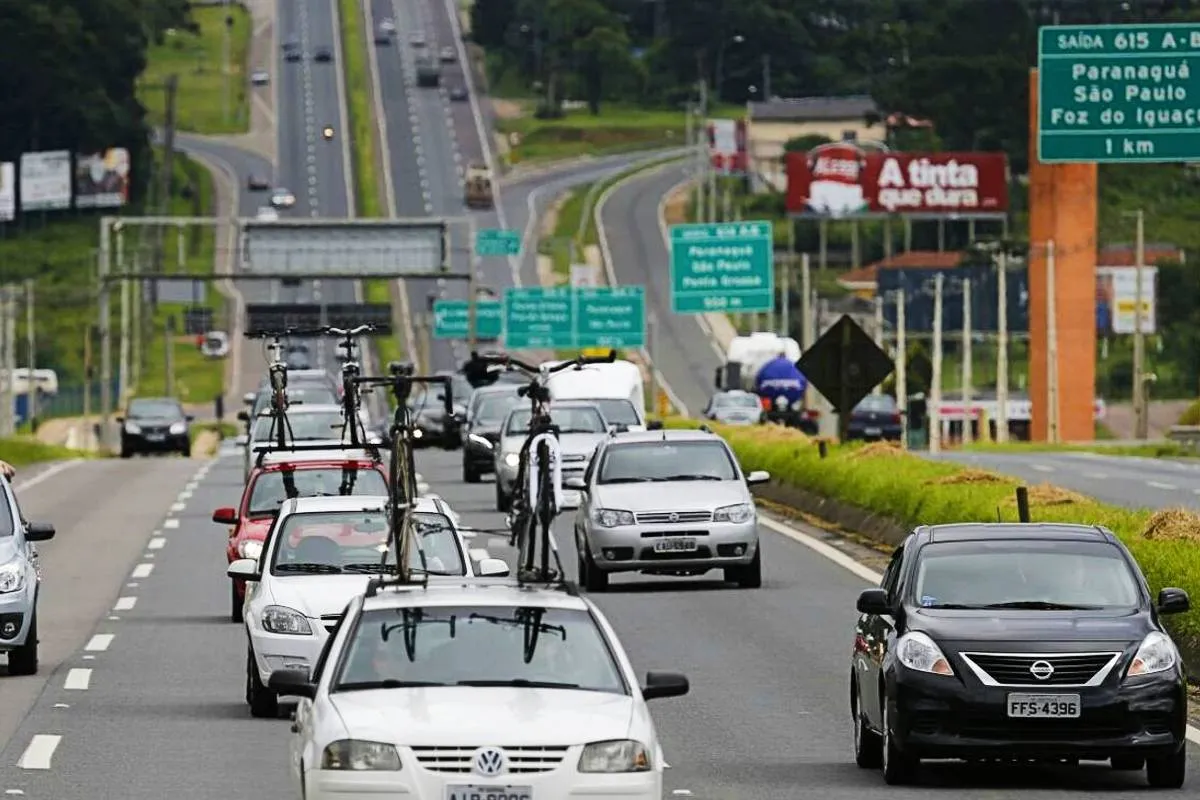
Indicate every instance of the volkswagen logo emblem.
{"type": "Point", "coordinates": [489, 761]}
{"type": "Point", "coordinates": [674, 517]}
{"type": "Point", "coordinates": [1042, 670]}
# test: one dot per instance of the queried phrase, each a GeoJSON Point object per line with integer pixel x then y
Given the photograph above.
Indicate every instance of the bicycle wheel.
{"type": "Point", "coordinates": [545, 509]}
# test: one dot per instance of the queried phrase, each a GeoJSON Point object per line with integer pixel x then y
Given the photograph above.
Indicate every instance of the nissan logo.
{"type": "Point", "coordinates": [489, 761]}
{"type": "Point", "coordinates": [1042, 670]}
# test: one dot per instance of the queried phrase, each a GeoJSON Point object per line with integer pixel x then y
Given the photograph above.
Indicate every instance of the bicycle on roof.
{"type": "Point", "coordinates": [538, 491]}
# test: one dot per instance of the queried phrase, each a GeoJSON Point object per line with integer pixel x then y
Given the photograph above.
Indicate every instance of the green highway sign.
{"type": "Point", "coordinates": [450, 318]}
{"type": "Point", "coordinates": [570, 318]}
{"type": "Point", "coordinates": [1118, 93]}
{"type": "Point", "coordinates": [497, 242]}
{"type": "Point", "coordinates": [722, 267]}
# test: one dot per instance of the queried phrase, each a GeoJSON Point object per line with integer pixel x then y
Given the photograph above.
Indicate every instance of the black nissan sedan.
{"type": "Point", "coordinates": [1025, 642]}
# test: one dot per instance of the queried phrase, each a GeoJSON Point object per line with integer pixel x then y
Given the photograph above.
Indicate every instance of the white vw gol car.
{"type": "Point", "coordinates": [320, 552]}
{"type": "Point", "coordinates": [478, 691]}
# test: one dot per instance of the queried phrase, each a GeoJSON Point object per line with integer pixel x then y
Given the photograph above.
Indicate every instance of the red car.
{"type": "Point", "coordinates": [284, 475]}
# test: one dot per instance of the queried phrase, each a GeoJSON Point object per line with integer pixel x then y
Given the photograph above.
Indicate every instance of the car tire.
{"type": "Point", "coordinates": [1168, 772]}
{"type": "Point", "coordinates": [868, 745]}
{"type": "Point", "coordinates": [469, 474]}
{"type": "Point", "coordinates": [899, 768]}
{"type": "Point", "coordinates": [503, 501]}
{"type": "Point", "coordinates": [126, 452]}
{"type": "Point", "coordinates": [1128, 763]}
{"type": "Point", "coordinates": [262, 701]}
{"type": "Point", "coordinates": [23, 660]}
{"type": "Point", "coordinates": [592, 578]}
{"type": "Point", "coordinates": [749, 576]}
{"type": "Point", "coordinates": [235, 603]}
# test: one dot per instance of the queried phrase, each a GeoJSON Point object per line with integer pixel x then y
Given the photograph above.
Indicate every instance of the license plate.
{"type": "Point", "coordinates": [155, 437]}
{"type": "Point", "coordinates": [1043, 706]}
{"type": "Point", "coordinates": [675, 545]}
{"type": "Point", "coordinates": [874, 431]}
{"type": "Point", "coordinates": [472, 792]}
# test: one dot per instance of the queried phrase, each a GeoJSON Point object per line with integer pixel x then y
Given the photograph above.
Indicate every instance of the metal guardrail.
{"type": "Point", "coordinates": [1186, 435]}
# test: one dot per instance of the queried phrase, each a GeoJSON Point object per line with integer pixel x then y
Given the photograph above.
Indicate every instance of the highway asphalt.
{"type": "Point", "coordinates": [162, 713]}
{"type": "Point", "coordinates": [1127, 481]}
{"type": "Point", "coordinates": [683, 350]}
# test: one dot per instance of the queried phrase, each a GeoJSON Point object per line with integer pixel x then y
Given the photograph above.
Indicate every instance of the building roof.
{"type": "Point", "coordinates": [1125, 255]}
{"type": "Point", "coordinates": [813, 109]}
{"type": "Point", "coordinates": [864, 277]}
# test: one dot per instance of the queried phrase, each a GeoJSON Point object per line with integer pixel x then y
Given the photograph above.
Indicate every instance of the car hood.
{"type": "Point", "coordinates": [475, 716]}
{"type": "Point", "coordinates": [8, 549]}
{"type": "Point", "coordinates": [255, 530]}
{"type": "Point", "coordinates": [671, 496]}
{"type": "Point", "coordinates": [1031, 629]}
{"type": "Point", "coordinates": [571, 444]}
{"type": "Point", "coordinates": [316, 596]}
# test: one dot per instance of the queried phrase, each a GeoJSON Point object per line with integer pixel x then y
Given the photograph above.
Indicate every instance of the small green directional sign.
{"type": "Point", "coordinates": [567, 318]}
{"type": "Point", "coordinates": [727, 266]}
{"type": "Point", "coordinates": [450, 319]}
{"type": "Point", "coordinates": [492, 242]}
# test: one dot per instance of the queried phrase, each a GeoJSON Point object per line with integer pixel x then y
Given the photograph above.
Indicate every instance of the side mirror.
{"type": "Point", "coordinates": [758, 476]}
{"type": "Point", "coordinates": [492, 568]}
{"type": "Point", "coordinates": [42, 531]}
{"type": "Point", "coordinates": [225, 516]}
{"type": "Point", "coordinates": [244, 568]}
{"type": "Point", "coordinates": [654, 425]}
{"type": "Point", "coordinates": [243, 416]}
{"type": "Point", "coordinates": [574, 482]}
{"type": "Point", "coordinates": [665, 684]}
{"type": "Point", "coordinates": [1173, 601]}
{"type": "Point", "coordinates": [292, 683]}
{"type": "Point", "coordinates": [242, 440]}
{"type": "Point", "coordinates": [190, 417]}
{"type": "Point", "coordinates": [120, 420]}
{"type": "Point", "coordinates": [874, 601]}
{"type": "Point", "coordinates": [248, 398]}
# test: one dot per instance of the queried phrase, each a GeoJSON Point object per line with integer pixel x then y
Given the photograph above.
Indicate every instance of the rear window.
{"type": "Point", "coordinates": [272, 489]}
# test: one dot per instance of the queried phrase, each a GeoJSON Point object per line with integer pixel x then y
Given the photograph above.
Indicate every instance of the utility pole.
{"type": "Point", "coordinates": [878, 334]}
{"type": "Point", "coordinates": [1002, 349]}
{"type": "Point", "coordinates": [1051, 347]}
{"type": "Point", "coordinates": [124, 348]}
{"type": "Point", "coordinates": [806, 309]}
{"type": "Point", "coordinates": [31, 348]}
{"type": "Point", "coordinates": [700, 129]}
{"type": "Point", "coordinates": [1141, 424]}
{"type": "Point", "coordinates": [168, 167]}
{"type": "Point", "coordinates": [785, 300]}
{"type": "Point", "coordinates": [651, 342]}
{"type": "Point", "coordinates": [935, 389]}
{"type": "Point", "coordinates": [10, 358]}
{"type": "Point", "coordinates": [902, 367]}
{"type": "Point", "coordinates": [967, 389]}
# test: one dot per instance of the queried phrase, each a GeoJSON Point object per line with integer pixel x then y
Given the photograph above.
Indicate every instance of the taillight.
{"type": "Point", "coordinates": [811, 413]}
{"type": "Point", "coordinates": [895, 419]}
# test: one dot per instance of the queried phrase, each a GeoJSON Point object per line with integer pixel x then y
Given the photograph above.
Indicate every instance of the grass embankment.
{"type": "Point", "coordinates": [22, 451]}
{"type": "Point", "coordinates": [202, 103]}
{"type": "Point", "coordinates": [910, 490]}
{"type": "Point", "coordinates": [368, 199]}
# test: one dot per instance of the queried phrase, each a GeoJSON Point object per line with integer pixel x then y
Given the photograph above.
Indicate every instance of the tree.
{"type": "Point", "coordinates": [603, 56]}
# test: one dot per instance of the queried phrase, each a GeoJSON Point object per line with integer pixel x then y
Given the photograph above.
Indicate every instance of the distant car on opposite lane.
{"type": "Point", "coordinates": [258, 183]}
{"type": "Point", "coordinates": [155, 425]}
{"type": "Point", "coordinates": [876, 417]}
{"type": "Point", "coordinates": [282, 198]}
{"type": "Point", "coordinates": [260, 77]}
{"type": "Point", "coordinates": [323, 55]}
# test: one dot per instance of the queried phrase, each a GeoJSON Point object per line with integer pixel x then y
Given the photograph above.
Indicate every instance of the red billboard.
{"type": "Point", "coordinates": [840, 180]}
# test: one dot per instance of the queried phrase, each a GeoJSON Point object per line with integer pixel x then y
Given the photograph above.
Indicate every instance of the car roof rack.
{"type": "Point", "coordinates": [271, 448]}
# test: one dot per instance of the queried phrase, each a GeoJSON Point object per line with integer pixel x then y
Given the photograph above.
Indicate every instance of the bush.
{"type": "Point", "coordinates": [21, 451]}
{"type": "Point", "coordinates": [910, 490]}
{"type": "Point", "coordinates": [1191, 415]}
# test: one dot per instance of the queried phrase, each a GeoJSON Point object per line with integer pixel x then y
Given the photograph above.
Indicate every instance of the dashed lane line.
{"type": "Point", "coordinates": [78, 679]}
{"type": "Point", "coordinates": [1042, 467]}
{"type": "Point", "coordinates": [99, 643]}
{"type": "Point", "coordinates": [178, 506]}
{"type": "Point", "coordinates": [40, 751]}
{"type": "Point", "coordinates": [125, 604]}
{"type": "Point", "coordinates": [170, 524]}
{"type": "Point", "coordinates": [142, 571]}
{"type": "Point", "coordinates": [156, 543]}
{"type": "Point", "coordinates": [46, 474]}
{"type": "Point", "coordinates": [1168, 487]}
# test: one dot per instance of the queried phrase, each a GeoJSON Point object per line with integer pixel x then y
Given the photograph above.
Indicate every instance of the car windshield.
{"type": "Point", "coordinates": [579, 419]}
{"type": "Point", "coordinates": [617, 412]}
{"type": "Point", "coordinates": [479, 646]}
{"type": "Point", "coordinates": [154, 408]}
{"type": "Point", "coordinates": [313, 394]}
{"type": "Point", "coordinates": [332, 542]}
{"type": "Point", "coordinates": [1024, 574]}
{"type": "Point", "coordinates": [645, 462]}
{"type": "Point", "coordinates": [883, 403]}
{"type": "Point", "coordinates": [316, 426]}
{"type": "Point", "coordinates": [493, 409]}
{"type": "Point", "coordinates": [272, 488]}
{"type": "Point", "coordinates": [736, 401]}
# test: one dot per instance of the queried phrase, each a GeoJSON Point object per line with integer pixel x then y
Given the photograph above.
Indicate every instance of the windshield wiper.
{"type": "Point", "coordinates": [689, 478]}
{"type": "Point", "coordinates": [308, 567]}
{"type": "Point", "coordinates": [1042, 605]}
{"type": "Point", "coordinates": [607, 481]}
{"type": "Point", "coordinates": [955, 606]}
{"type": "Point", "coordinates": [384, 684]}
{"type": "Point", "coordinates": [522, 683]}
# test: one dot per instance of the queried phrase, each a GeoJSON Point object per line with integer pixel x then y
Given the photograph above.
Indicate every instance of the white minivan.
{"type": "Point", "coordinates": [617, 389]}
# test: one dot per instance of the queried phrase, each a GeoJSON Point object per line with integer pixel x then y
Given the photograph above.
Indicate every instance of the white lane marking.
{"type": "Point", "coordinates": [113, 618]}
{"type": "Point", "coordinates": [186, 494]}
{"type": "Point", "coordinates": [89, 658]}
{"type": "Point", "coordinates": [156, 543]}
{"type": "Point", "coordinates": [39, 752]}
{"type": "Point", "coordinates": [125, 604]}
{"type": "Point", "coordinates": [865, 572]}
{"type": "Point", "coordinates": [178, 506]}
{"type": "Point", "coordinates": [1170, 487]}
{"type": "Point", "coordinates": [170, 524]}
{"type": "Point", "coordinates": [48, 473]}
{"type": "Point", "coordinates": [1042, 467]}
{"type": "Point", "coordinates": [1096, 476]}
{"type": "Point", "coordinates": [132, 584]}
{"type": "Point", "coordinates": [100, 642]}
{"type": "Point", "coordinates": [14, 791]}
{"type": "Point", "coordinates": [142, 571]}
{"type": "Point", "coordinates": [78, 679]}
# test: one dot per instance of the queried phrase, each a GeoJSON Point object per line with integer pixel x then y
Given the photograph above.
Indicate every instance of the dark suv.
{"type": "Point", "coordinates": [155, 425]}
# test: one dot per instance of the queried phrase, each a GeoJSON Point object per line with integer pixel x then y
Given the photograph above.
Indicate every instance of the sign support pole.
{"type": "Point", "coordinates": [651, 346]}
{"type": "Point", "coordinates": [934, 405]}
{"type": "Point", "coordinates": [6, 376]}
{"type": "Point", "coordinates": [806, 329]}
{"type": "Point", "coordinates": [1002, 349]}
{"type": "Point", "coordinates": [105, 325]}
{"type": "Point", "coordinates": [472, 289]}
{"type": "Point", "coordinates": [31, 344]}
{"type": "Point", "coordinates": [844, 409]}
{"type": "Point", "coordinates": [1141, 425]}
{"type": "Point", "coordinates": [902, 367]}
{"type": "Point", "coordinates": [1051, 347]}
{"type": "Point", "coordinates": [967, 355]}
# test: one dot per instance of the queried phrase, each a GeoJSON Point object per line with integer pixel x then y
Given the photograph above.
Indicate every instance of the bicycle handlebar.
{"type": "Point", "coordinates": [327, 330]}
{"type": "Point", "coordinates": [479, 362]}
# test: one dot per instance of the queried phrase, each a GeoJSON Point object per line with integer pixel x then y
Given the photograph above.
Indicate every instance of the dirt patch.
{"type": "Point", "coordinates": [676, 208]}
{"type": "Point", "coordinates": [507, 109]}
{"type": "Point", "coordinates": [1173, 524]}
{"type": "Point", "coordinates": [879, 450]}
{"type": "Point", "coordinates": [968, 476]}
{"type": "Point", "coordinates": [206, 444]}
{"type": "Point", "coordinates": [1047, 494]}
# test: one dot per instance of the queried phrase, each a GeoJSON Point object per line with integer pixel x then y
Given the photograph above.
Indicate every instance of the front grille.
{"type": "Point", "coordinates": [650, 554]}
{"type": "Point", "coordinates": [659, 517]}
{"type": "Point", "coordinates": [1041, 730]}
{"type": "Point", "coordinates": [150, 430]}
{"type": "Point", "coordinates": [1070, 669]}
{"type": "Point", "coordinates": [521, 760]}
{"type": "Point", "coordinates": [574, 459]}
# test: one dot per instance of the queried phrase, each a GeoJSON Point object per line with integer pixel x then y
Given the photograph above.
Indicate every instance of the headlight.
{"type": "Point", "coordinates": [278, 619]}
{"type": "Point", "coordinates": [918, 652]}
{"type": "Point", "coordinates": [512, 459]}
{"type": "Point", "coordinates": [621, 755]}
{"type": "Point", "coordinates": [1157, 653]}
{"type": "Point", "coordinates": [797, 405]}
{"type": "Point", "coordinates": [742, 512]}
{"type": "Point", "coordinates": [132, 428]}
{"type": "Point", "coordinates": [613, 518]}
{"type": "Point", "coordinates": [480, 440]}
{"type": "Point", "coordinates": [417, 433]}
{"type": "Point", "coordinates": [178, 428]}
{"type": "Point", "coordinates": [250, 548]}
{"type": "Point", "coordinates": [12, 577]}
{"type": "Point", "coordinates": [352, 754]}
{"type": "Point", "coordinates": [781, 403]}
